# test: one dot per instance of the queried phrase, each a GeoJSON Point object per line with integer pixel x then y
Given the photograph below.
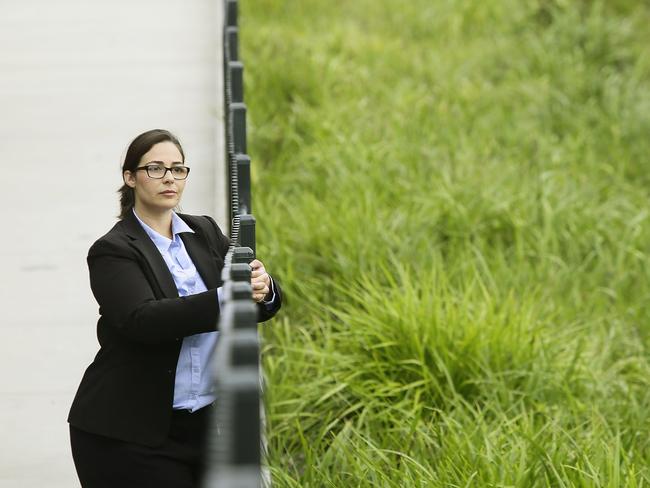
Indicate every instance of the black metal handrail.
{"type": "Point", "coordinates": [234, 448]}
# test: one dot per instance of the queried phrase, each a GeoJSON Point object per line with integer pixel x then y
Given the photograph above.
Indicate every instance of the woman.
{"type": "Point", "coordinates": [139, 416]}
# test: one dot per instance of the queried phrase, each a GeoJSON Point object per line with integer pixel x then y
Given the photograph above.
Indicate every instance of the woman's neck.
{"type": "Point", "coordinates": [159, 221]}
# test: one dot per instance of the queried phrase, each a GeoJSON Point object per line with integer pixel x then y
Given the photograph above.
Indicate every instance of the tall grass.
{"type": "Point", "coordinates": [454, 196]}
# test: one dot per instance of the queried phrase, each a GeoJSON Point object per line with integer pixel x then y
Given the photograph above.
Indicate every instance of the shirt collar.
{"type": "Point", "coordinates": [162, 243]}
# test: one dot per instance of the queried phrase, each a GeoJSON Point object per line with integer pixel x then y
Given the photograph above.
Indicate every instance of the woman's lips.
{"type": "Point", "coordinates": [168, 193]}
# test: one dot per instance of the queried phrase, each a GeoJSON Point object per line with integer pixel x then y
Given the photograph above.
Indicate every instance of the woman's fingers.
{"type": "Point", "coordinates": [259, 297]}
{"type": "Point", "coordinates": [259, 287]}
{"type": "Point", "coordinates": [260, 290]}
{"type": "Point", "coordinates": [256, 273]}
{"type": "Point", "coordinates": [260, 280]}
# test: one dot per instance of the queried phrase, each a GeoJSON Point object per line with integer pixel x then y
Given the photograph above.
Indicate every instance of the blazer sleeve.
{"type": "Point", "coordinates": [122, 285]}
{"type": "Point", "coordinates": [266, 312]}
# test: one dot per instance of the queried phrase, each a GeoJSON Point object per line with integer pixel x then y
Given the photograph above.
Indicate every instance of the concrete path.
{"type": "Point", "coordinates": [78, 80]}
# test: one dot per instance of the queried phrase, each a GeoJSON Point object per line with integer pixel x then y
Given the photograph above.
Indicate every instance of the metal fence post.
{"type": "Point", "coordinates": [232, 43]}
{"type": "Point", "coordinates": [238, 114]}
{"type": "Point", "coordinates": [231, 13]}
{"type": "Point", "coordinates": [236, 69]}
{"type": "Point", "coordinates": [244, 183]}
{"type": "Point", "coordinates": [238, 466]}
{"type": "Point", "coordinates": [247, 231]}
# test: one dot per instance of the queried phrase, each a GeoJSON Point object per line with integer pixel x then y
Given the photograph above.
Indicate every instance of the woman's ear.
{"type": "Point", "coordinates": [129, 178]}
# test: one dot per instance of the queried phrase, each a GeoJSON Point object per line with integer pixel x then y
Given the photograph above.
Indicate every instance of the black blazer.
{"type": "Point", "coordinates": [127, 391]}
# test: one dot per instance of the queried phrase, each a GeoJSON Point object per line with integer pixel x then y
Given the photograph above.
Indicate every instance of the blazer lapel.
{"type": "Point", "coordinates": [140, 240]}
{"type": "Point", "coordinates": [197, 248]}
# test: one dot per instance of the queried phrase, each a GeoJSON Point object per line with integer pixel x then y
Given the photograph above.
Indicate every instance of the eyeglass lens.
{"type": "Point", "coordinates": [159, 171]}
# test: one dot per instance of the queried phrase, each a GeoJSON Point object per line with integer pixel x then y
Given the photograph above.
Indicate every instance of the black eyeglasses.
{"type": "Point", "coordinates": [158, 171]}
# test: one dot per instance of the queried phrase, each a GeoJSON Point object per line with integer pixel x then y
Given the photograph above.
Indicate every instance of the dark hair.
{"type": "Point", "coordinates": [138, 148]}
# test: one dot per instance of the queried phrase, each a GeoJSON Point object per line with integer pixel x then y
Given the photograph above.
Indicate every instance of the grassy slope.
{"type": "Point", "coordinates": [454, 196]}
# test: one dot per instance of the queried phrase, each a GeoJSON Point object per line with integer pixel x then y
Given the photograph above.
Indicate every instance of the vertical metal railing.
{"type": "Point", "coordinates": [234, 448]}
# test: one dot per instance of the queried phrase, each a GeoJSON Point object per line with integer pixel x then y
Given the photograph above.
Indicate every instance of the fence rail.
{"type": "Point", "coordinates": [234, 449]}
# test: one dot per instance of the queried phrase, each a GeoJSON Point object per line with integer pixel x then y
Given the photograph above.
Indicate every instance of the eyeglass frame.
{"type": "Point", "coordinates": [146, 168]}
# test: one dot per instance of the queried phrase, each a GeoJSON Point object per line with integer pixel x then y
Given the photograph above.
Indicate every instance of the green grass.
{"type": "Point", "coordinates": [454, 196]}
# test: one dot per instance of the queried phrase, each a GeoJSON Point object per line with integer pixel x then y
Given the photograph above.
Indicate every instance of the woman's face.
{"type": "Point", "coordinates": [157, 195]}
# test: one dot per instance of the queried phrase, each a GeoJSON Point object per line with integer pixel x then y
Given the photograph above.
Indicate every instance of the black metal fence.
{"type": "Point", "coordinates": [235, 438]}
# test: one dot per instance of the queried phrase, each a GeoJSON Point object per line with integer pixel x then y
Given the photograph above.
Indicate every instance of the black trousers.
{"type": "Point", "coordinates": [102, 462]}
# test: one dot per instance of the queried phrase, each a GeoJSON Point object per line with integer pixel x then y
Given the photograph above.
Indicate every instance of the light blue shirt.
{"type": "Point", "coordinates": [194, 385]}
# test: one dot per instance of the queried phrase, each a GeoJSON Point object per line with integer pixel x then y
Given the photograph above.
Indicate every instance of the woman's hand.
{"type": "Point", "coordinates": [260, 280]}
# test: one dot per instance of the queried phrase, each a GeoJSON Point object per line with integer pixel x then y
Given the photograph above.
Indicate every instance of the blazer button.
{"type": "Point", "coordinates": [169, 371]}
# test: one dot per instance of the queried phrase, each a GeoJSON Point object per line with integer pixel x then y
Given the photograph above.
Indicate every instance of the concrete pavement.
{"type": "Point", "coordinates": [78, 80]}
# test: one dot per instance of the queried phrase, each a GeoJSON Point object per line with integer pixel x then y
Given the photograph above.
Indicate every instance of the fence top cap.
{"type": "Point", "coordinates": [236, 272]}
{"type": "Point", "coordinates": [238, 285]}
{"type": "Point", "coordinates": [242, 254]}
{"type": "Point", "coordinates": [238, 290]}
{"type": "Point", "coordinates": [240, 271]}
{"type": "Point", "coordinates": [238, 315]}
